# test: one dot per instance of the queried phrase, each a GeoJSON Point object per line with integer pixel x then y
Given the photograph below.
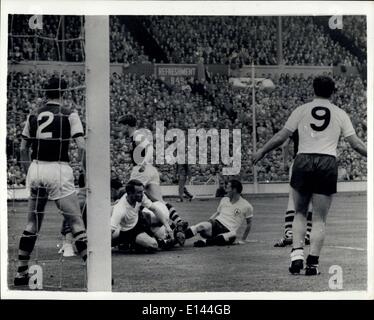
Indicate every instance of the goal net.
{"type": "Point", "coordinates": [41, 47]}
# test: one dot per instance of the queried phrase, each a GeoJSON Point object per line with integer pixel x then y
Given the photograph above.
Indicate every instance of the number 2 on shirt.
{"type": "Point", "coordinates": [324, 114]}
{"type": "Point", "coordinates": [43, 124]}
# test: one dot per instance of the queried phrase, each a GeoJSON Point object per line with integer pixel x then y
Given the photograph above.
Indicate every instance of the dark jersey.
{"type": "Point", "coordinates": [295, 139]}
{"type": "Point", "coordinates": [50, 129]}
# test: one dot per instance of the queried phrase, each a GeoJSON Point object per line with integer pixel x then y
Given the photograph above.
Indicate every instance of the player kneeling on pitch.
{"type": "Point", "coordinates": [131, 222]}
{"type": "Point", "coordinates": [222, 227]}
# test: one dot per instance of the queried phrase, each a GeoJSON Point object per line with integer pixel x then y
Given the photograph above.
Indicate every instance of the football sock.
{"type": "Point", "coordinates": [308, 225]}
{"type": "Point", "coordinates": [65, 229]}
{"type": "Point", "coordinates": [288, 220]}
{"type": "Point", "coordinates": [297, 254]}
{"type": "Point", "coordinates": [26, 246]}
{"type": "Point", "coordinates": [173, 214]}
{"type": "Point", "coordinates": [80, 239]}
{"type": "Point", "coordinates": [190, 232]}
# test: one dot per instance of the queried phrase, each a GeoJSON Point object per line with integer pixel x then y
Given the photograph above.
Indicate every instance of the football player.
{"type": "Point", "coordinates": [290, 212]}
{"type": "Point", "coordinates": [314, 173]}
{"type": "Point", "coordinates": [47, 133]}
{"type": "Point", "coordinates": [144, 171]}
{"type": "Point", "coordinates": [131, 228]}
{"type": "Point", "coordinates": [222, 227]}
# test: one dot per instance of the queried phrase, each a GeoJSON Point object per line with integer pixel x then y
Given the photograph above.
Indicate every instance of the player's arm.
{"type": "Point", "coordinates": [25, 154]}
{"type": "Point", "coordinates": [77, 134]}
{"type": "Point", "coordinates": [215, 215]}
{"type": "Point", "coordinates": [80, 141]}
{"type": "Point", "coordinates": [357, 144]}
{"type": "Point", "coordinates": [247, 228]}
{"type": "Point", "coordinates": [279, 138]}
{"type": "Point", "coordinates": [26, 144]}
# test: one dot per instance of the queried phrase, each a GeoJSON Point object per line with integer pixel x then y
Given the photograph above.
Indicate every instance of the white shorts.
{"type": "Point", "coordinates": [148, 176]}
{"type": "Point", "coordinates": [56, 177]}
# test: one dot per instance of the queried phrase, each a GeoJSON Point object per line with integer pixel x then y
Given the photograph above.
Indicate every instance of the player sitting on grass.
{"type": "Point", "coordinates": [130, 227]}
{"type": "Point", "coordinates": [222, 227]}
{"type": "Point", "coordinates": [48, 132]}
{"type": "Point", "coordinates": [146, 173]}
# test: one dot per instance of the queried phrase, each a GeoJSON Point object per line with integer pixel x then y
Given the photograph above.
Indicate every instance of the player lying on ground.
{"type": "Point", "coordinates": [314, 174]}
{"type": "Point", "coordinates": [132, 229]}
{"type": "Point", "coordinates": [222, 227]}
{"type": "Point", "coordinates": [145, 172]}
{"type": "Point", "coordinates": [290, 212]}
{"type": "Point", "coordinates": [47, 132]}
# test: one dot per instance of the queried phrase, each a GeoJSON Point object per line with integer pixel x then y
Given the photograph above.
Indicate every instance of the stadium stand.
{"type": "Point", "coordinates": [191, 103]}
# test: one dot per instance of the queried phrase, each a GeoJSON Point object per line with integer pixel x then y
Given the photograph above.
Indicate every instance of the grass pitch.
{"type": "Point", "coordinates": [255, 266]}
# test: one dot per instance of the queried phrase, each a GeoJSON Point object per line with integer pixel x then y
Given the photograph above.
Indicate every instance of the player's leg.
{"type": "Point", "coordinates": [147, 242]}
{"type": "Point", "coordinates": [321, 207]}
{"type": "Point", "coordinates": [181, 183]}
{"type": "Point", "coordinates": [187, 193]}
{"type": "Point", "coordinates": [203, 228]}
{"type": "Point", "coordinates": [69, 206]}
{"type": "Point", "coordinates": [153, 190]}
{"type": "Point", "coordinates": [288, 220]}
{"type": "Point", "coordinates": [36, 206]}
{"type": "Point", "coordinates": [299, 230]}
{"type": "Point", "coordinates": [309, 223]}
{"type": "Point", "coordinates": [222, 239]}
{"type": "Point", "coordinates": [67, 249]}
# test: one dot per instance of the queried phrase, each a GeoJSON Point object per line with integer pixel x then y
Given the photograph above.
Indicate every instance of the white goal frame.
{"type": "Point", "coordinates": [97, 69]}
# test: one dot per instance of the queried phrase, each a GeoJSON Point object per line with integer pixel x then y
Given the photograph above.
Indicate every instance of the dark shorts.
{"type": "Point", "coordinates": [128, 237]}
{"type": "Point", "coordinates": [315, 173]}
{"type": "Point", "coordinates": [217, 228]}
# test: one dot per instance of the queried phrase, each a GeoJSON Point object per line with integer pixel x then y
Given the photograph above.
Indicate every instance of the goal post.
{"type": "Point", "coordinates": [99, 269]}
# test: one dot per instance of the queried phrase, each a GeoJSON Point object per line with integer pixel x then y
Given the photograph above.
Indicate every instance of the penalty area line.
{"type": "Point", "coordinates": [347, 248]}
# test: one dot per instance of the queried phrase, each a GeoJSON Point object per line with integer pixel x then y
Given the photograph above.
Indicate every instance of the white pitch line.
{"type": "Point", "coordinates": [348, 248]}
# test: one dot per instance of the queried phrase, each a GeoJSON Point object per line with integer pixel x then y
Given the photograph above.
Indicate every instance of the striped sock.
{"type": "Point", "coordinates": [80, 239]}
{"type": "Point", "coordinates": [190, 232]}
{"type": "Point", "coordinates": [297, 254]}
{"type": "Point", "coordinates": [288, 220]}
{"type": "Point", "coordinates": [173, 214]}
{"type": "Point", "coordinates": [308, 225]}
{"type": "Point", "coordinates": [26, 246]}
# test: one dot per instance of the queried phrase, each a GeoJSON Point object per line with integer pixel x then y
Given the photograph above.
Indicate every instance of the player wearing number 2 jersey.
{"type": "Point", "coordinates": [314, 174]}
{"type": "Point", "coordinates": [48, 132]}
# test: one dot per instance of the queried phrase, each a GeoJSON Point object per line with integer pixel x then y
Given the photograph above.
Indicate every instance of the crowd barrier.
{"type": "Point", "coordinates": [205, 191]}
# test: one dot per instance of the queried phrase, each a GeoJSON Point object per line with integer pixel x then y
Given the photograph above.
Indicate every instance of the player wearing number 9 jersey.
{"type": "Point", "coordinates": [314, 174]}
{"type": "Point", "coordinates": [48, 132]}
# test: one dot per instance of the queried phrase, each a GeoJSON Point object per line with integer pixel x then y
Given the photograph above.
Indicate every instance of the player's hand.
{"type": "Point", "coordinates": [242, 241]}
{"type": "Point", "coordinates": [257, 156]}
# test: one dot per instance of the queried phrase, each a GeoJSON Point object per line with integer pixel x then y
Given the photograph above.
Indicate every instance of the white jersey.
{"type": "Point", "coordinates": [232, 215]}
{"type": "Point", "coordinates": [125, 216]}
{"type": "Point", "coordinates": [320, 124]}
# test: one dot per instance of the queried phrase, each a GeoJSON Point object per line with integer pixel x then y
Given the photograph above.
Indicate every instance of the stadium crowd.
{"type": "Point", "coordinates": [188, 39]}
{"type": "Point", "coordinates": [189, 104]}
